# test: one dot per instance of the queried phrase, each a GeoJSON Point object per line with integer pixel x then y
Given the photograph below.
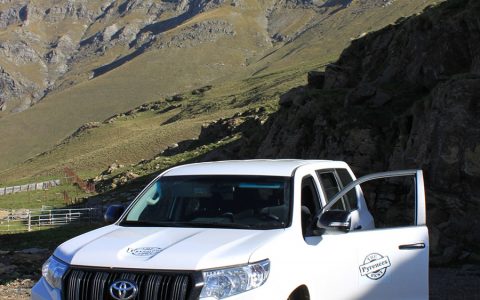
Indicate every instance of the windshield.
{"type": "Point", "coordinates": [247, 202]}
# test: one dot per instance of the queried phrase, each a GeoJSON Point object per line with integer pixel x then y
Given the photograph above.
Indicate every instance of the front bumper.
{"type": "Point", "coordinates": [43, 291]}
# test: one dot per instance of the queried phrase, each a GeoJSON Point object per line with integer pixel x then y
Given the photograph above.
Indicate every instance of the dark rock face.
{"type": "Point", "coordinates": [407, 96]}
{"type": "Point", "coordinates": [421, 51]}
{"type": "Point", "coordinates": [427, 68]}
{"type": "Point", "coordinates": [445, 142]}
{"type": "Point", "coordinates": [316, 79]}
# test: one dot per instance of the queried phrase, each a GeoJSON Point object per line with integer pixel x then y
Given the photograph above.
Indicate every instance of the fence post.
{"type": "Point", "coordinates": [8, 220]}
{"type": "Point", "coordinates": [50, 216]}
{"type": "Point", "coordinates": [29, 220]}
{"type": "Point", "coordinates": [69, 216]}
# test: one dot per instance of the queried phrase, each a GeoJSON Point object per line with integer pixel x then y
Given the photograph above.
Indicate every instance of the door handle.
{"type": "Point", "coordinates": [412, 246]}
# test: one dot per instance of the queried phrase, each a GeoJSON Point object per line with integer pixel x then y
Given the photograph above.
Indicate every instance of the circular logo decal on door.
{"type": "Point", "coordinates": [375, 266]}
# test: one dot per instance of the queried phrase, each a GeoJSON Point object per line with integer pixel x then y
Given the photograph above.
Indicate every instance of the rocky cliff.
{"type": "Point", "coordinates": [49, 46]}
{"type": "Point", "coordinates": [407, 96]}
{"type": "Point", "coordinates": [43, 40]}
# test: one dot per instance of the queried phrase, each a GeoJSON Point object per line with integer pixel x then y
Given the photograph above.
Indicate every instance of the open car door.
{"type": "Point", "coordinates": [391, 262]}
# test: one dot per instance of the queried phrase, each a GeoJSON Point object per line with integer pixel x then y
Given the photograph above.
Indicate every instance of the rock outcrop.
{"type": "Point", "coordinates": [15, 86]}
{"type": "Point", "coordinates": [407, 96]}
{"type": "Point", "coordinates": [14, 15]}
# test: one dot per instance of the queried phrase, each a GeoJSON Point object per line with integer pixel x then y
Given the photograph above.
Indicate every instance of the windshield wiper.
{"type": "Point", "coordinates": [185, 224]}
{"type": "Point", "coordinates": [215, 225]}
{"type": "Point", "coordinates": [270, 225]}
{"type": "Point", "coordinates": [140, 223]}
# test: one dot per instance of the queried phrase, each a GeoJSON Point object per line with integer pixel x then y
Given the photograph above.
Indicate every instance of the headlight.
{"type": "Point", "coordinates": [223, 283]}
{"type": "Point", "coordinates": [53, 270]}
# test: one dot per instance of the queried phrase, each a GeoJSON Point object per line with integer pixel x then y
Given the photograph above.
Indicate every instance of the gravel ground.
{"type": "Point", "coordinates": [455, 283]}
{"type": "Point", "coordinates": [18, 290]}
{"type": "Point", "coordinates": [445, 283]}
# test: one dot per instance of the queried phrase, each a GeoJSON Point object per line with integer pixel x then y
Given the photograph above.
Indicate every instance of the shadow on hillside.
{"type": "Point", "coordinates": [153, 29]}
{"type": "Point", "coordinates": [46, 238]}
{"type": "Point", "coordinates": [119, 62]}
{"type": "Point", "coordinates": [168, 24]}
{"type": "Point", "coordinates": [331, 3]}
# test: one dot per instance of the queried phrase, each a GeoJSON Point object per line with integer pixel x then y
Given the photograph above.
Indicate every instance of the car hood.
{"type": "Point", "coordinates": [164, 248]}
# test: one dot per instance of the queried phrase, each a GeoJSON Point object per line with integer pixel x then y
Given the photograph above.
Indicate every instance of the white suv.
{"type": "Point", "coordinates": [246, 230]}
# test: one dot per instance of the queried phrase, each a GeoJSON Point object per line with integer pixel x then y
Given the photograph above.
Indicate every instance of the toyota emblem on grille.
{"type": "Point", "coordinates": [123, 290]}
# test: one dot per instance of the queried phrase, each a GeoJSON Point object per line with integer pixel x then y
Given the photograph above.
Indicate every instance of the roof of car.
{"type": "Point", "coordinates": [259, 167]}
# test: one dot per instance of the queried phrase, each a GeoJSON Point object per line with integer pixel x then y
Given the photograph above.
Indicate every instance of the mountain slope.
{"type": "Point", "coordinates": [147, 130]}
{"type": "Point", "coordinates": [95, 60]}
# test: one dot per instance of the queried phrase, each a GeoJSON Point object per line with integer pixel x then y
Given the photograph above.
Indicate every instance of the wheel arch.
{"type": "Point", "coordinates": [300, 293]}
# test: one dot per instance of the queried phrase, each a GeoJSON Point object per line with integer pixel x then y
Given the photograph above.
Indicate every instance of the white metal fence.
{"type": "Point", "coordinates": [26, 220]}
{"type": "Point", "coordinates": [29, 187]}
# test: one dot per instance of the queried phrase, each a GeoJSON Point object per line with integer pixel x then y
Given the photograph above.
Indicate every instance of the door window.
{"type": "Point", "coordinates": [309, 195]}
{"type": "Point", "coordinates": [309, 204]}
{"type": "Point", "coordinates": [391, 201]}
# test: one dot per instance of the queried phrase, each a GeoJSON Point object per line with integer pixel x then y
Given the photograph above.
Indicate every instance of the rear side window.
{"type": "Point", "coordinates": [331, 188]}
{"type": "Point", "coordinates": [329, 184]}
{"type": "Point", "coordinates": [351, 196]}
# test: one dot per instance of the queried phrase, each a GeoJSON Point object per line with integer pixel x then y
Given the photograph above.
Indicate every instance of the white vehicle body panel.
{"type": "Point", "coordinates": [365, 263]}
{"type": "Point", "coordinates": [339, 259]}
{"type": "Point", "coordinates": [212, 248]}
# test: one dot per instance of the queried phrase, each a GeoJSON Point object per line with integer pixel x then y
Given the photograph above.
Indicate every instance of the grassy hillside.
{"type": "Point", "coordinates": [148, 77]}
{"type": "Point", "coordinates": [246, 70]}
{"type": "Point", "coordinates": [325, 36]}
{"type": "Point", "coordinates": [133, 137]}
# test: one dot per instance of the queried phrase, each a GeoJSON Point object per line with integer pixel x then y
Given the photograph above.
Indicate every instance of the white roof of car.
{"type": "Point", "coordinates": [259, 167]}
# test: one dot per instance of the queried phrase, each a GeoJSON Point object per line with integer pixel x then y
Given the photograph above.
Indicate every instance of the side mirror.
{"type": "Point", "coordinates": [334, 221]}
{"type": "Point", "coordinates": [113, 213]}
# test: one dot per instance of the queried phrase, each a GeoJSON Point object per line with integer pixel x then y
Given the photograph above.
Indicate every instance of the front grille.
{"type": "Point", "coordinates": [80, 284]}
